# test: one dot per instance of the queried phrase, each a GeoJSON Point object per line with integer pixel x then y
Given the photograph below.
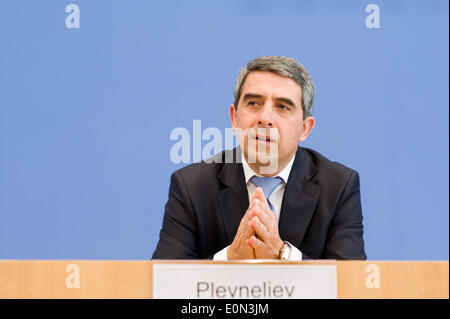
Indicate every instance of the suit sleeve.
{"type": "Point", "coordinates": [345, 236]}
{"type": "Point", "coordinates": [178, 236]}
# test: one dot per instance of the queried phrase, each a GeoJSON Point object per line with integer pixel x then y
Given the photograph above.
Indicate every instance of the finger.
{"type": "Point", "coordinates": [244, 231]}
{"type": "Point", "coordinates": [247, 216]}
{"type": "Point", "coordinates": [265, 208]}
{"type": "Point", "coordinates": [259, 194]}
{"type": "Point", "coordinates": [259, 228]}
{"type": "Point", "coordinates": [245, 219]}
{"type": "Point", "coordinates": [263, 216]}
{"type": "Point", "coordinates": [249, 230]}
{"type": "Point", "coordinates": [256, 243]}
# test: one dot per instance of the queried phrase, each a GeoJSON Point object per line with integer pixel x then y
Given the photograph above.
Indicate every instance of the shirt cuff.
{"type": "Point", "coordinates": [221, 255]}
{"type": "Point", "coordinates": [296, 255]}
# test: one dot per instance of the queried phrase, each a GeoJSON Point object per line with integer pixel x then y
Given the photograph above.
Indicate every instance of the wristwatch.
{"type": "Point", "coordinates": [285, 252]}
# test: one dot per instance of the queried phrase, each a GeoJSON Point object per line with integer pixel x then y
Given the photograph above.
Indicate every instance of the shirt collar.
{"type": "Point", "coordinates": [284, 173]}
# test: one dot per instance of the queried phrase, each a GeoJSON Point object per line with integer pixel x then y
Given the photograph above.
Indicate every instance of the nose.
{"type": "Point", "coordinates": [265, 116]}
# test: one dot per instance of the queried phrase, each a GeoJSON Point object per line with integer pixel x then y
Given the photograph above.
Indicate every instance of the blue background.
{"type": "Point", "coordinates": [86, 114]}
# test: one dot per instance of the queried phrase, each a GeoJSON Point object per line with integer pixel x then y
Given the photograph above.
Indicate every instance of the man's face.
{"type": "Point", "coordinates": [269, 100]}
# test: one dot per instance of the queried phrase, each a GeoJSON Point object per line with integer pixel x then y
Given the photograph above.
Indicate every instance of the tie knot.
{"type": "Point", "coordinates": [268, 184]}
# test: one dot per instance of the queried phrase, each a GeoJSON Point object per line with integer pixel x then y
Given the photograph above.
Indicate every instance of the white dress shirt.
{"type": "Point", "coordinates": [276, 198]}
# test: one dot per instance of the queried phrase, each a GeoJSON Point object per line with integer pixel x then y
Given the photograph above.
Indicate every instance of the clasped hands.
{"type": "Point", "coordinates": [257, 236]}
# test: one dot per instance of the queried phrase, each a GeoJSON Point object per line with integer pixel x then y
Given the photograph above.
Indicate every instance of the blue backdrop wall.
{"type": "Point", "coordinates": [86, 113]}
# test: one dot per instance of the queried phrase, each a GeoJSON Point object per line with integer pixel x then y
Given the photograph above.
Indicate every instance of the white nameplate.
{"type": "Point", "coordinates": [237, 281]}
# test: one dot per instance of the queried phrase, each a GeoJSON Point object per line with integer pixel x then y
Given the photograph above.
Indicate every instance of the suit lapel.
{"type": "Point", "coordinates": [233, 197]}
{"type": "Point", "coordinates": [299, 200]}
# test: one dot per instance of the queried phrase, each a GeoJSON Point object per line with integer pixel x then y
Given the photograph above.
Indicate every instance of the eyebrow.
{"type": "Point", "coordinates": [252, 96]}
{"type": "Point", "coordinates": [285, 100]}
{"type": "Point", "coordinates": [278, 99]}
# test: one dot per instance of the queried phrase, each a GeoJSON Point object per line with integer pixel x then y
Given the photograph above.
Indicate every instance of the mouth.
{"type": "Point", "coordinates": [263, 139]}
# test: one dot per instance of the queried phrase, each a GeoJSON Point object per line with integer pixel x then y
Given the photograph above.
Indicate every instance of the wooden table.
{"type": "Point", "coordinates": [133, 279]}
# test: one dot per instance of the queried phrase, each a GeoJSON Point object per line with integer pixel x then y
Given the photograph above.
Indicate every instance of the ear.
{"type": "Point", "coordinates": [308, 125]}
{"type": "Point", "coordinates": [233, 114]}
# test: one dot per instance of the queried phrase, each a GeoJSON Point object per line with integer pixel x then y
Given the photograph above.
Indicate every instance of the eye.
{"type": "Point", "coordinates": [252, 103]}
{"type": "Point", "coordinates": [282, 107]}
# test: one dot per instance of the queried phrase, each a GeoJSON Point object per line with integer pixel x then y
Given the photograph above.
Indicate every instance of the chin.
{"type": "Point", "coordinates": [267, 163]}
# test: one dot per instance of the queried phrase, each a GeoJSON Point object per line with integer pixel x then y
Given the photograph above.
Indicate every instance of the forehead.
{"type": "Point", "coordinates": [270, 84]}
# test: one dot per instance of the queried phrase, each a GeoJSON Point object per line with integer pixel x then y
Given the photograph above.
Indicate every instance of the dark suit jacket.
{"type": "Point", "coordinates": [320, 213]}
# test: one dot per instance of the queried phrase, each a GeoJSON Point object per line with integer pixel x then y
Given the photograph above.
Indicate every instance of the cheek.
{"type": "Point", "coordinates": [298, 129]}
{"type": "Point", "coordinates": [291, 132]}
{"type": "Point", "coordinates": [243, 119]}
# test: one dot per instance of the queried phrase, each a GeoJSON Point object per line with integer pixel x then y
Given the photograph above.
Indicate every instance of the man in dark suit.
{"type": "Point", "coordinates": [234, 207]}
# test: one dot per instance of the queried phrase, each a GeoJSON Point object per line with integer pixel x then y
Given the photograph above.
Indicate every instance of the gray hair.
{"type": "Point", "coordinates": [283, 66]}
